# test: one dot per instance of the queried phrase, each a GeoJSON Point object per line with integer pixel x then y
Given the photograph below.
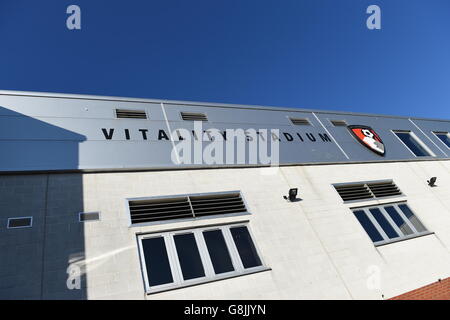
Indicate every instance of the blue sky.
{"type": "Point", "coordinates": [295, 53]}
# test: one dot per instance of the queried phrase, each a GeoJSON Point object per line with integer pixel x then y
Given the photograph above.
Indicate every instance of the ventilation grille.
{"type": "Point", "coordinates": [130, 114]}
{"type": "Point", "coordinates": [384, 189]}
{"type": "Point", "coordinates": [354, 192]}
{"type": "Point", "coordinates": [185, 207]}
{"type": "Point", "coordinates": [217, 204]}
{"type": "Point", "coordinates": [300, 121]}
{"type": "Point", "coordinates": [367, 191]}
{"type": "Point", "coordinates": [89, 216]}
{"type": "Point", "coordinates": [338, 123]}
{"type": "Point", "coordinates": [190, 116]}
{"type": "Point", "coordinates": [24, 222]}
{"type": "Point", "coordinates": [159, 209]}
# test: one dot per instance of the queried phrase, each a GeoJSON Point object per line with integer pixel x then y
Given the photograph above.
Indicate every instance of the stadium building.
{"type": "Point", "coordinates": [120, 198]}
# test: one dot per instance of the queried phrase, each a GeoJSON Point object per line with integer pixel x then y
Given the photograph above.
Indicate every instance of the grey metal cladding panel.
{"type": "Point", "coordinates": [38, 155]}
{"type": "Point", "coordinates": [384, 126]}
{"type": "Point", "coordinates": [20, 128]}
{"type": "Point", "coordinates": [73, 108]}
{"type": "Point", "coordinates": [27, 128]}
{"type": "Point", "coordinates": [43, 133]}
{"type": "Point", "coordinates": [158, 154]}
{"type": "Point", "coordinates": [125, 155]}
{"type": "Point", "coordinates": [19, 155]}
{"type": "Point", "coordinates": [249, 117]}
{"type": "Point", "coordinates": [295, 151]}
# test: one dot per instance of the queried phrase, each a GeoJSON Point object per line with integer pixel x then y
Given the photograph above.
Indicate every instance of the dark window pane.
{"type": "Point", "coordinates": [412, 144]}
{"type": "Point", "coordinates": [387, 228]}
{"type": "Point", "coordinates": [403, 226]}
{"type": "Point", "coordinates": [218, 251]}
{"type": "Point", "coordinates": [156, 261]}
{"type": "Point", "coordinates": [444, 137]}
{"type": "Point", "coordinates": [410, 215]}
{"type": "Point", "coordinates": [189, 257]}
{"type": "Point", "coordinates": [368, 226]}
{"type": "Point", "coordinates": [245, 246]}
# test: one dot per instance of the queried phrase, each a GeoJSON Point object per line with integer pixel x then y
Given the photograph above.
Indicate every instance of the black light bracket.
{"type": "Point", "coordinates": [432, 182]}
{"type": "Point", "coordinates": [292, 197]}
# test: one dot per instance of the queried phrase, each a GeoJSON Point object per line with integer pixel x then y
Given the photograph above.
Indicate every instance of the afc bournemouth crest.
{"type": "Point", "coordinates": [369, 138]}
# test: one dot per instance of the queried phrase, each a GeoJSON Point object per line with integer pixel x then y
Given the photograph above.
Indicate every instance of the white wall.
{"type": "Point", "coordinates": [316, 248]}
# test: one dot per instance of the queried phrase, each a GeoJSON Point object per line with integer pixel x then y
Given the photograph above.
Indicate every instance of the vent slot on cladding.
{"type": "Point", "coordinates": [130, 114]}
{"type": "Point", "coordinates": [191, 116]}
{"type": "Point", "coordinates": [338, 123]}
{"type": "Point", "coordinates": [300, 121]}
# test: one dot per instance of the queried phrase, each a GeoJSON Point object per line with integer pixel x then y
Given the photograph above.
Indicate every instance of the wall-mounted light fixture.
{"type": "Point", "coordinates": [432, 182]}
{"type": "Point", "coordinates": [292, 194]}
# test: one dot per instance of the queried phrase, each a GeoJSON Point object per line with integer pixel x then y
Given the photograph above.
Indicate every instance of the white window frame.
{"type": "Point", "coordinates": [15, 218]}
{"type": "Point", "coordinates": [442, 132]}
{"type": "Point", "coordinates": [177, 275]}
{"type": "Point", "coordinates": [386, 239]}
{"type": "Point", "coordinates": [417, 139]}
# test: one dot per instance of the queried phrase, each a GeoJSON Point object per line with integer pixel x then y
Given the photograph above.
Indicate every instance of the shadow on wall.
{"type": "Point", "coordinates": [35, 262]}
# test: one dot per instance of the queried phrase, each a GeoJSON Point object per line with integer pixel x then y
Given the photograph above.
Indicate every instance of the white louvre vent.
{"type": "Point", "coordinates": [367, 191]}
{"type": "Point", "coordinates": [190, 116]}
{"type": "Point", "coordinates": [338, 123]}
{"type": "Point", "coordinates": [20, 222]}
{"type": "Point", "coordinates": [217, 204]}
{"type": "Point", "coordinates": [300, 121]}
{"type": "Point", "coordinates": [354, 192]}
{"type": "Point", "coordinates": [130, 114]}
{"type": "Point", "coordinates": [160, 209]}
{"type": "Point", "coordinates": [384, 189]}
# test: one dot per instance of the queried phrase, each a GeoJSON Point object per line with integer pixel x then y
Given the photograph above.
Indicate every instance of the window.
{"type": "Point", "coordinates": [413, 143]}
{"type": "Point", "coordinates": [20, 222]}
{"type": "Point", "coordinates": [182, 258]}
{"type": "Point", "coordinates": [389, 223]}
{"type": "Point", "coordinates": [444, 137]}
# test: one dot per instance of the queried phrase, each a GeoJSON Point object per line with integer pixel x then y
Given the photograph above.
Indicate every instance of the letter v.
{"type": "Point", "coordinates": [109, 135]}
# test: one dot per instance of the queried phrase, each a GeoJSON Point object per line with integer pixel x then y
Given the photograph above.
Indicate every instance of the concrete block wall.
{"type": "Point", "coordinates": [316, 248]}
{"type": "Point", "coordinates": [34, 261]}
